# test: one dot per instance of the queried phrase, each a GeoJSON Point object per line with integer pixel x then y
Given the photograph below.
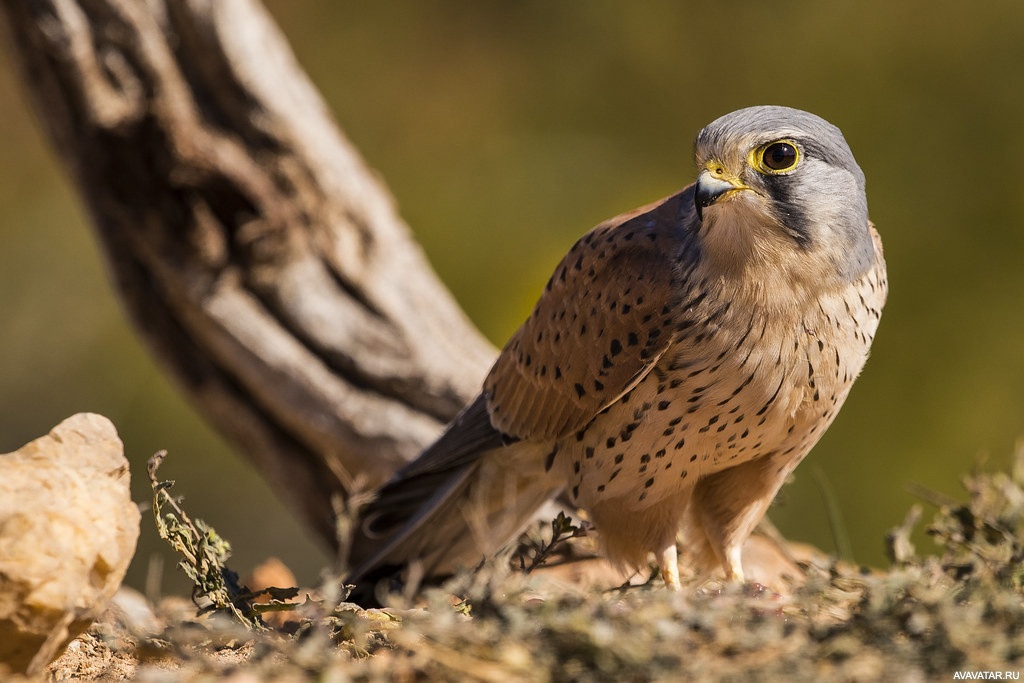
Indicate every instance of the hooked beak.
{"type": "Point", "coordinates": [711, 187]}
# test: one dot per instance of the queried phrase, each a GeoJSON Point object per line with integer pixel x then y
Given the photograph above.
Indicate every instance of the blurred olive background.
{"type": "Point", "coordinates": [505, 130]}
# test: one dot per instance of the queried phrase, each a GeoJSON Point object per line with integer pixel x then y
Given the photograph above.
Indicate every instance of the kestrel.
{"type": "Point", "coordinates": [680, 363]}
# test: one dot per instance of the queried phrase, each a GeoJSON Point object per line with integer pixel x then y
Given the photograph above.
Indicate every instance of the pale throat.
{"type": "Point", "coordinates": [746, 246]}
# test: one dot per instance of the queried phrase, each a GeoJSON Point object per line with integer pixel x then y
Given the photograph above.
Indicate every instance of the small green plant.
{"type": "Point", "coordinates": [540, 551]}
{"type": "Point", "coordinates": [204, 555]}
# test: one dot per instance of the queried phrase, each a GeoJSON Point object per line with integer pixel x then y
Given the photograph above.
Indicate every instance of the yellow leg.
{"type": "Point", "coordinates": [668, 563]}
{"type": "Point", "coordinates": [734, 563]}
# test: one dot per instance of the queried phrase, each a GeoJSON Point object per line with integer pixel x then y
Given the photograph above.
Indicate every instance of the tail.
{"type": "Point", "coordinates": [463, 499]}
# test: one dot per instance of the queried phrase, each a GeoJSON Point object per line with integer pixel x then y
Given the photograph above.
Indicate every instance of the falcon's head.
{"type": "Point", "coordinates": [779, 188]}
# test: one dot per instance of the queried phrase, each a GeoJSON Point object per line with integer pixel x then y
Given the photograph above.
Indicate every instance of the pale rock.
{"type": "Point", "coordinates": [68, 529]}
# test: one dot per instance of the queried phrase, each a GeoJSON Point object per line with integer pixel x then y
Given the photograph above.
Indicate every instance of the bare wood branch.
{"type": "Point", "coordinates": [260, 258]}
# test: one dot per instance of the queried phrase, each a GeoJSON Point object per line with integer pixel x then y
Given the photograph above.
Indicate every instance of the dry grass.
{"type": "Point", "coordinates": [923, 619]}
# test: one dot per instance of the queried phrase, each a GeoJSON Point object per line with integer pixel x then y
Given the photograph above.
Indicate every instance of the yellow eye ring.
{"type": "Point", "coordinates": [775, 158]}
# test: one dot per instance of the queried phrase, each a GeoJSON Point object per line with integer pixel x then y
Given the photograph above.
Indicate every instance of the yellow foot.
{"type": "Point", "coordinates": [668, 564]}
{"type": "Point", "coordinates": [734, 565]}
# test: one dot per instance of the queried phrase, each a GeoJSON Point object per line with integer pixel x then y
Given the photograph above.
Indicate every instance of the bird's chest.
{"type": "Point", "coordinates": [752, 386]}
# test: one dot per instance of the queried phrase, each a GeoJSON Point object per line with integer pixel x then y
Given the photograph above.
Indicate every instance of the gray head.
{"type": "Point", "coordinates": [773, 179]}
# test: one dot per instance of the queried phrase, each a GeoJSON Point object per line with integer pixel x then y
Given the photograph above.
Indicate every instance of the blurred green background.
{"type": "Point", "coordinates": [505, 130]}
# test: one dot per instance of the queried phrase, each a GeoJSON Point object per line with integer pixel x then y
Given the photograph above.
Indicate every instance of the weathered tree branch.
{"type": "Point", "coordinates": [261, 260]}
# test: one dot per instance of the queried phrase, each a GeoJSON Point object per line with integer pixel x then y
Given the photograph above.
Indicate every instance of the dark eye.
{"type": "Point", "coordinates": [780, 156]}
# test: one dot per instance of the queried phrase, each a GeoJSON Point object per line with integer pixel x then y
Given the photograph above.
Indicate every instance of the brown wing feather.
{"type": "Point", "coordinates": [602, 323]}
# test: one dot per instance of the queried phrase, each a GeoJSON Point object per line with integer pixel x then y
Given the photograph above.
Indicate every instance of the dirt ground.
{"type": "Point", "coordinates": [959, 613]}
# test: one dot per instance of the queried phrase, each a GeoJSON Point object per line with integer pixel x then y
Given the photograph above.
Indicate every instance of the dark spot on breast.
{"type": "Point", "coordinates": [550, 459]}
{"type": "Point", "coordinates": [619, 457]}
{"type": "Point", "coordinates": [764, 408]}
{"type": "Point", "coordinates": [649, 483]}
{"type": "Point", "coordinates": [580, 391]}
{"type": "Point", "coordinates": [633, 340]}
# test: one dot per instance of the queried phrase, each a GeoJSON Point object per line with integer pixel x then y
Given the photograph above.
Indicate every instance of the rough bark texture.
{"type": "Point", "coordinates": [260, 258]}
